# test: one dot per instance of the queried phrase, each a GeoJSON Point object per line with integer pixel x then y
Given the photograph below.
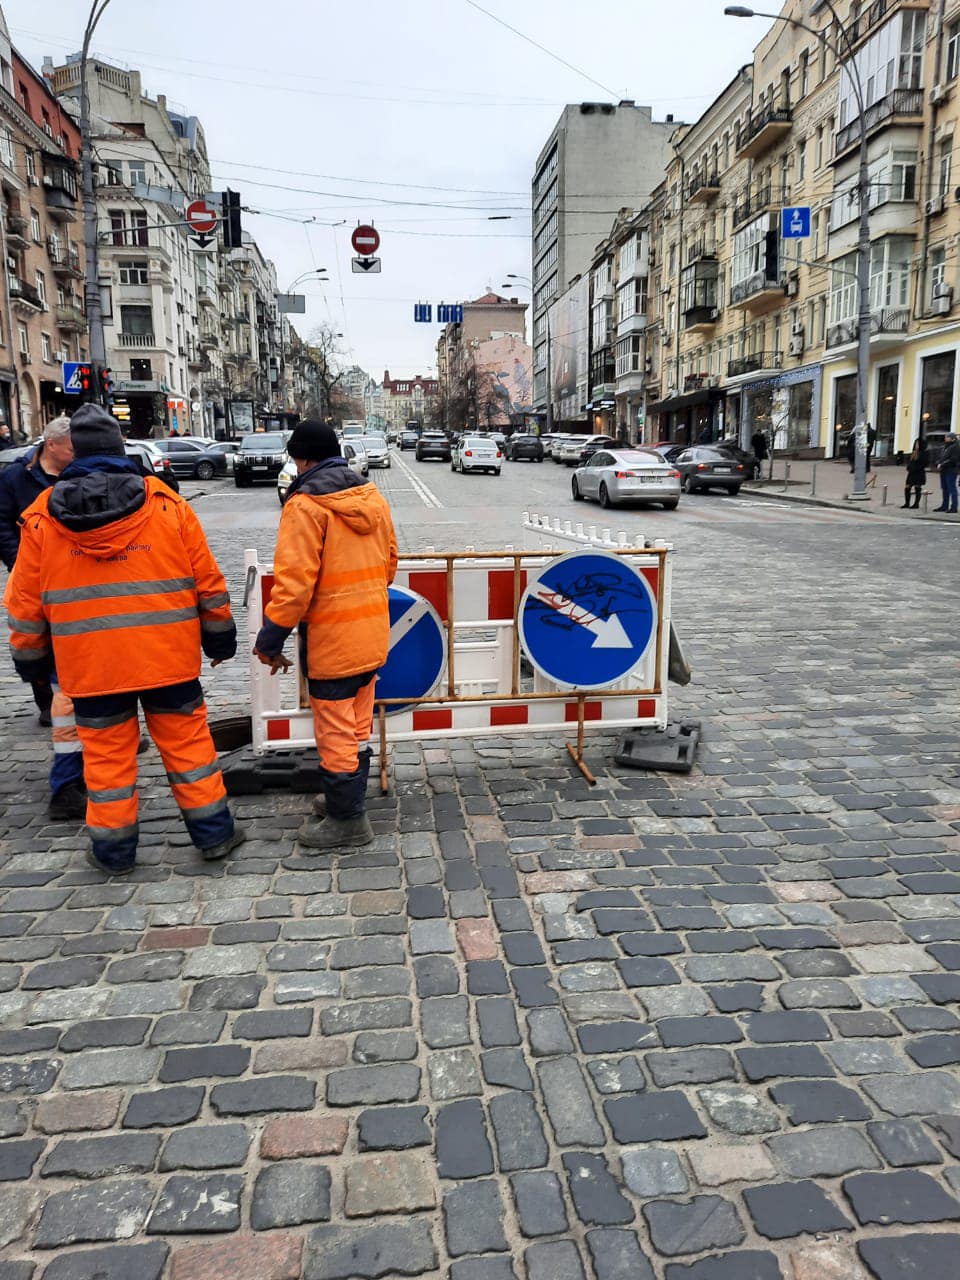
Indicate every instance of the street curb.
{"type": "Point", "coordinates": [859, 508]}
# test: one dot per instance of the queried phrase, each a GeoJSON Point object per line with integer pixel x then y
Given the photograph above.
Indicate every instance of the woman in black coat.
{"type": "Point", "coordinates": [916, 474]}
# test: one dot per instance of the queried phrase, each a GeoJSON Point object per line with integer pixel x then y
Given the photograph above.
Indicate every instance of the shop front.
{"type": "Point", "coordinates": [696, 417]}
{"type": "Point", "coordinates": [785, 408]}
{"type": "Point", "coordinates": [142, 408]}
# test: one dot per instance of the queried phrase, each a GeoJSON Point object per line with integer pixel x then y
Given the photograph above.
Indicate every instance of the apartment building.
{"type": "Point", "coordinates": [409, 399]}
{"type": "Point", "coordinates": [473, 355]}
{"type": "Point", "coordinates": [42, 322]}
{"type": "Point", "coordinates": [599, 158]}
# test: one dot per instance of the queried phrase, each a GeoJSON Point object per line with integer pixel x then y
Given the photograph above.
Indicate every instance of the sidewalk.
{"type": "Point", "coordinates": [827, 482]}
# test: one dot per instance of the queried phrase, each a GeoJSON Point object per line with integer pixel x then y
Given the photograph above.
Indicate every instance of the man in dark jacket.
{"type": "Point", "coordinates": [20, 483]}
{"type": "Point", "coordinates": [949, 467]}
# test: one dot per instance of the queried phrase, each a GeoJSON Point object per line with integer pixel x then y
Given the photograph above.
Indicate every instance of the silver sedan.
{"type": "Point", "coordinates": [627, 475]}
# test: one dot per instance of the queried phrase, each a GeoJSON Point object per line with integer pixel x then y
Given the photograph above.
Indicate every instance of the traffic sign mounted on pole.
{"type": "Point", "coordinates": [418, 648]}
{"type": "Point", "coordinates": [795, 223]}
{"type": "Point", "coordinates": [365, 240]}
{"type": "Point", "coordinates": [201, 218]}
{"type": "Point", "coordinates": [587, 619]}
{"type": "Point", "coordinates": [365, 266]}
{"type": "Point", "coordinates": [71, 378]}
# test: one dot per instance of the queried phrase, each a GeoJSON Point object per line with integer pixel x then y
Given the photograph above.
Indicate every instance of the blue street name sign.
{"type": "Point", "coordinates": [795, 223]}
{"type": "Point", "coordinates": [71, 378]}
{"type": "Point", "coordinates": [418, 649]}
{"type": "Point", "coordinates": [587, 619]}
{"type": "Point", "coordinates": [423, 312]}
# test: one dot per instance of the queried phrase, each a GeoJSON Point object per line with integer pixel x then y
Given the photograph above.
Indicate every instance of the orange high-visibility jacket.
{"type": "Point", "coordinates": [336, 556]}
{"type": "Point", "coordinates": [124, 605]}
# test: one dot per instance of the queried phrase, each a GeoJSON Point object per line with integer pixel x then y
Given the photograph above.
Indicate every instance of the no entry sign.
{"type": "Point", "coordinates": [365, 240]}
{"type": "Point", "coordinates": [201, 217]}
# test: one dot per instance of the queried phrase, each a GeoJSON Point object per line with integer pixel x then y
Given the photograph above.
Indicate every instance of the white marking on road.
{"type": "Point", "coordinates": [609, 632]}
{"type": "Point", "coordinates": [422, 490]}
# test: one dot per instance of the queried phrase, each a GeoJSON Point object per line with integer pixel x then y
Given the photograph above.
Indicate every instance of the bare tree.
{"type": "Point", "coordinates": [325, 354]}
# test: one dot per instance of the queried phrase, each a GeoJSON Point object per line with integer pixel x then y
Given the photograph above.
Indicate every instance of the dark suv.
{"type": "Point", "coordinates": [524, 446]}
{"type": "Point", "coordinates": [261, 457]}
{"type": "Point", "coordinates": [433, 444]}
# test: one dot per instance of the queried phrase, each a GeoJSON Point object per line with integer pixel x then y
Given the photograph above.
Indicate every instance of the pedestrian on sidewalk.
{"type": "Point", "coordinates": [335, 558]}
{"type": "Point", "coordinates": [116, 586]}
{"type": "Point", "coordinates": [20, 485]}
{"type": "Point", "coordinates": [916, 474]}
{"type": "Point", "coordinates": [758, 443]}
{"type": "Point", "coordinates": [949, 466]}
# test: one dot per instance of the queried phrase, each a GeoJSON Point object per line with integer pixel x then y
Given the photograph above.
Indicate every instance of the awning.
{"type": "Point", "coordinates": [707, 395]}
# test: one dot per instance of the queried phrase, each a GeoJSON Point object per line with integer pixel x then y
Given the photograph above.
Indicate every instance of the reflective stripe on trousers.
{"type": "Point", "coordinates": [176, 719]}
{"type": "Point", "coordinates": [67, 764]}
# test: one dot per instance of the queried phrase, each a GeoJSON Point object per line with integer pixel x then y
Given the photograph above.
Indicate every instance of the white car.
{"type": "Point", "coordinates": [476, 453]}
{"type": "Point", "coordinates": [567, 450]}
{"type": "Point", "coordinates": [376, 449]}
{"type": "Point", "coordinates": [356, 460]}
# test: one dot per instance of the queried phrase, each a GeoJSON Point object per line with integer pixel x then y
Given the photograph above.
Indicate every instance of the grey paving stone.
{"type": "Point", "coordinates": [818, 993]}
{"type": "Point", "coordinates": [289, 1193]}
{"type": "Point", "coordinates": [98, 1068]}
{"type": "Point", "coordinates": [788, 1060]}
{"type": "Point", "coordinates": [548, 1033]}
{"type": "Point", "coordinates": [463, 1148]}
{"type": "Point", "coordinates": [202, 1063]}
{"type": "Point", "coordinates": [506, 1068]}
{"type": "Point", "coordinates": [436, 976]}
{"type": "Point", "coordinates": [431, 937]}
{"type": "Point", "coordinates": [262, 1096]}
{"type": "Point", "coordinates": [689, 1066]}
{"type": "Point", "coordinates": [213, 1146]}
{"type": "Point", "coordinates": [906, 1196]}
{"type": "Point", "coordinates": [866, 1057]}
{"type": "Point", "coordinates": [109, 1210]}
{"type": "Point", "coordinates": [163, 1108]}
{"type": "Point", "coordinates": [18, 1158]}
{"type": "Point", "coordinates": [227, 993]}
{"type": "Point", "coordinates": [539, 1201]}
{"type": "Point", "coordinates": [705, 1222]}
{"type": "Point", "coordinates": [453, 1073]}
{"type": "Point", "coordinates": [615, 1037]}
{"type": "Point", "coordinates": [271, 1024]}
{"type": "Point", "coordinates": [682, 1032]}
{"type": "Point", "coordinates": [903, 1142]}
{"type": "Point", "coordinates": [368, 1252]}
{"type": "Point", "coordinates": [497, 1020]}
{"type": "Point", "coordinates": [483, 1269]}
{"type": "Point", "coordinates": [739, 1110]}
{"type": "Point", "coordinates": [385, 1046]}
{"type": "Point", "coordinates": [444, 1021]}
{"type": "Point", "coordinates": [819, 1102]}
{"type": "Point", "coordinates": [617, 1075]}
{"type": "Point", "coordinates": [919, 1094]}
{"type": "Point", "coordinates": [101, 1157]}
{"type": "Point", "coordinates": [385, 980]}
{"type": "Point", "coordinates": [744, 1264]}
{"type": "Point", "coordinates": [115, 1262]}
{"type": "Point", "coordinates": [393, 1128]}
{"type": "Point", "coordinates": [787, 1209]}
{"type": "Point", "coordinates": [568, 1104]}
{"type": "Point", "coordinates": [657, 1117]}
{"type": "Point", "coordinates": [104, 1033]}
{"type": "Point", "coordinates": [187, 1204]}
{"type": "Point", "coordinates": [517, 1132]}
{"type": "Point", "coordinates": [596, 1197]}
{"type": "Point", "coordinates": [188, 1028]}
{"type": "Point", "coordinates": [617, 1255]}
{"type": "Point", "coordinates": [824, 1152]}
{"type": "Point", "coordinates": [553, 1260]}
{"type": "Point", "coordinates": [473, 1219]}
{"type": "Point", "coordinates": [893, 1257]}
{"type": "Point", "coordinates": [654, 1171]}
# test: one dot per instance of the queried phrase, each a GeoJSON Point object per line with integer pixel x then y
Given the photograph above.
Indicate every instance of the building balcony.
{"type": "Point", "coordinates": [699, 381]}
{"type": "Point", "coordinates": [761, 292]}
{"type": "Point", "coordinates": [760, 361]}
{"type": "Point", "coordinates": [60, 188]}
{"type": "Point", "coordinates": [902, 106]}
{"type": "Point", "coordinates": [887, 324]}
{"type": "Point", "coordinates": [209, 342]}
{"type": "Point", "coordinates": [23, 296]}
{"type": "Point", "coordinates": [145, 340]}
{"type": "Point", "coordinates": [71, 319]}
{"type": "Point", "coordinates": [754, 203]}
{"type": "Point", "coordinates": [18, 231]}
{"type": "Point", "coordinates": [636, 323]}
{"type": "Point", "coordinates": [64, 259]}
{"type": "Point", "coordinates": [702, 188]}
{"type": "Point", "coordinates": [762, 129]}
{"type": "Point", "coordinates": [701, 319]}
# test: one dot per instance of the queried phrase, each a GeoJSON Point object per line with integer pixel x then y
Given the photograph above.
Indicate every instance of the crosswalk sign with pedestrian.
{"type": "Point", "coordinates": [71, 377]}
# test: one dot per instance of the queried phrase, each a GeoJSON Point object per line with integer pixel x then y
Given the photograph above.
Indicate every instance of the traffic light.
{"type": "Point", "coordinates": [86, 380]}
{"type": "Point", "coordinates": [106, 384]}
{"type": "Point", "coordinates": [232, 231]}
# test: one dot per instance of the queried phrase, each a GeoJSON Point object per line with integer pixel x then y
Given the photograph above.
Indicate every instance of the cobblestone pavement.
{"type": "Point", "coordinates": [691, 1028]}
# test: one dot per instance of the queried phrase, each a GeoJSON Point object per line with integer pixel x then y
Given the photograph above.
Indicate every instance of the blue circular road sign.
{"type": "Point", "coordinates": [587, 619]}
{"type": "Point", "coordinates": [418, 649]}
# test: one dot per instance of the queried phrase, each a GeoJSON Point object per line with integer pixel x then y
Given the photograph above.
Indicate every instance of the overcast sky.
{"type": "Point", "coordinates": [424, 117]}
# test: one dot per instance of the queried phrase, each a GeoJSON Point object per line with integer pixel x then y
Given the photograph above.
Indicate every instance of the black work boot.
{"type": "Point", "coordinates": [364, 757]}
{"type": "Point", "coordinates": [215, 851]}
{"type": "Point", "coordinates": [335, 833]}
{"type": "Point", "coordinates": [69, 804]}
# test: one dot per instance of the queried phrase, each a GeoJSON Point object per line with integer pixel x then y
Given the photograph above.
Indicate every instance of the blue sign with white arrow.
{"type": "Point", "coordinates": [71, 378]}
{"type": "Point", "coordinates": [795, 223]}
{"type": "Point", "coordinates": [418, 649]}
{"type": "Point", "coordinates": [587, 619]}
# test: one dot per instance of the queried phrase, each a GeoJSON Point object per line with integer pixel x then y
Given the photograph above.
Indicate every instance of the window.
{"type": "Point", "coordinates": [903, 176]}
{"type": "Point", "coordinates": [6, 149]}
{"type": "Point", "coordinates": [136, 320]}
{"type": "Point", "coordinates": [818, 153]}
{"type": "Point", "coordinates": [22, 340]}
{"type": "Point", "coordinates": [113, 172]}
{"type": "Point", "coordinates": [31, 163]}
{"type": "Point", "coordinates": [938, 272]}
{"type": "Point", "coordinates": [35, 225]}
{"type": "Point", "coordinates": [134, 271]}
{"type": "Point", "coordinates": [892, 58]}
{"type": "Point", "coordinates": [953, 50]}
{"type": "Point", "coordinates": [42, 288]}
{"type": "Point", "coordinates": [629, 355]}
{"type": "Point", "coordinates": [801, 160]}
{"type": "Point", "coordinates": [804, 74]}
{"type": "Point", "coordinates": [936, 395]}
{"type": "Point", "coordinates": [136, 171]}
{"type": "Point", "coordinates": [45, 350]}
{"type": "Point", "coordinates": [943, 164]}
{"type": "Point", "coordinates": [117, 225]}
{"type": "Point", "coordinates": [889, 279]}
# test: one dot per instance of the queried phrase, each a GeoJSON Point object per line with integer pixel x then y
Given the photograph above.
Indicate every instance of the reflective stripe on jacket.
{"type": "Point", "coordinates": [126, 605]}
{"type": "Point", "coordinates": [335, 558]}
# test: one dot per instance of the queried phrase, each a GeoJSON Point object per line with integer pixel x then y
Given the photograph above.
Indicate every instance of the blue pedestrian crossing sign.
{"type": "Point", "coordinates": [587, 619]}
{"type": "Point", "coordinates": [795, 222]}
{"type": "Point", "coordinates": [71, 377]}
{"type": "Point", "coordinates": [418, 649]}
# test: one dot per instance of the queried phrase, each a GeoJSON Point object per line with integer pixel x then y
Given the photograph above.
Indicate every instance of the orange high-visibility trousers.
{"type": "Point", "coordinates": [342, 727]}
{"type": "Point", "coordinates": [176, 719]}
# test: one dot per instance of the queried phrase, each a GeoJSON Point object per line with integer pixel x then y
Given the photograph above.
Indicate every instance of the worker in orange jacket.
{"type": "Point", "coordinates": [115, 584]}
{"type": "Point", "coordinates": [336, 556]}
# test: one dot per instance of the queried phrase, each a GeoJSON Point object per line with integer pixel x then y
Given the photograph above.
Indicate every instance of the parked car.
{"type": "Point", "coordinates": [593, 445]}
{"type": "Point", "coordinates": [433, 444]}
{"type": "Point", "coordinates": [746, 456]}
{"type": "Point", "coordinates": [408, 438]}
{"type": "Point", "coordinates": [568, 451]}
{"type": "Point", "coordinates": [153, 461]}
{"type": "Point", "coordinates": [261, 457]}
{"type": "Point", "coordinates": [523, 446]}
{"type": "Point", "coordinates": [549, 443]}
{"type": "Point", "coordinates": [192, 459]}
{"type": "Point", "coordinates": [356, 456]}
{"type": "Point", "coordinates": [476, 453]}
{"type": "Point", "coordinates": [706, 467]}
{"type": "Point", "coordinates": [668, 449]}
{"type": "Point", "coordinates": [229, 449]}
{"type": "Point", "coordinates": [9, 456]}
{"type": "Point", "coordinates": [614, 476]}
{"type": "Point", "coordinates": [376, 449]}
{"type": "Point", "coordinates": [356, 461]}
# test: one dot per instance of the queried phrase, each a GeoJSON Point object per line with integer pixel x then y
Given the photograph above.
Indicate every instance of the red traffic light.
{"type": "Point", "coordinates": [106, 381]}
{"type": "Point", "coordinates": [85, 378]}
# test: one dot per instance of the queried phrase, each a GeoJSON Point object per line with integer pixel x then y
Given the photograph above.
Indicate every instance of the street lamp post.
{"type": "Point", "coordinates": [91, 288]}
{"type": "Point", "coordinates": [863, 227]}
